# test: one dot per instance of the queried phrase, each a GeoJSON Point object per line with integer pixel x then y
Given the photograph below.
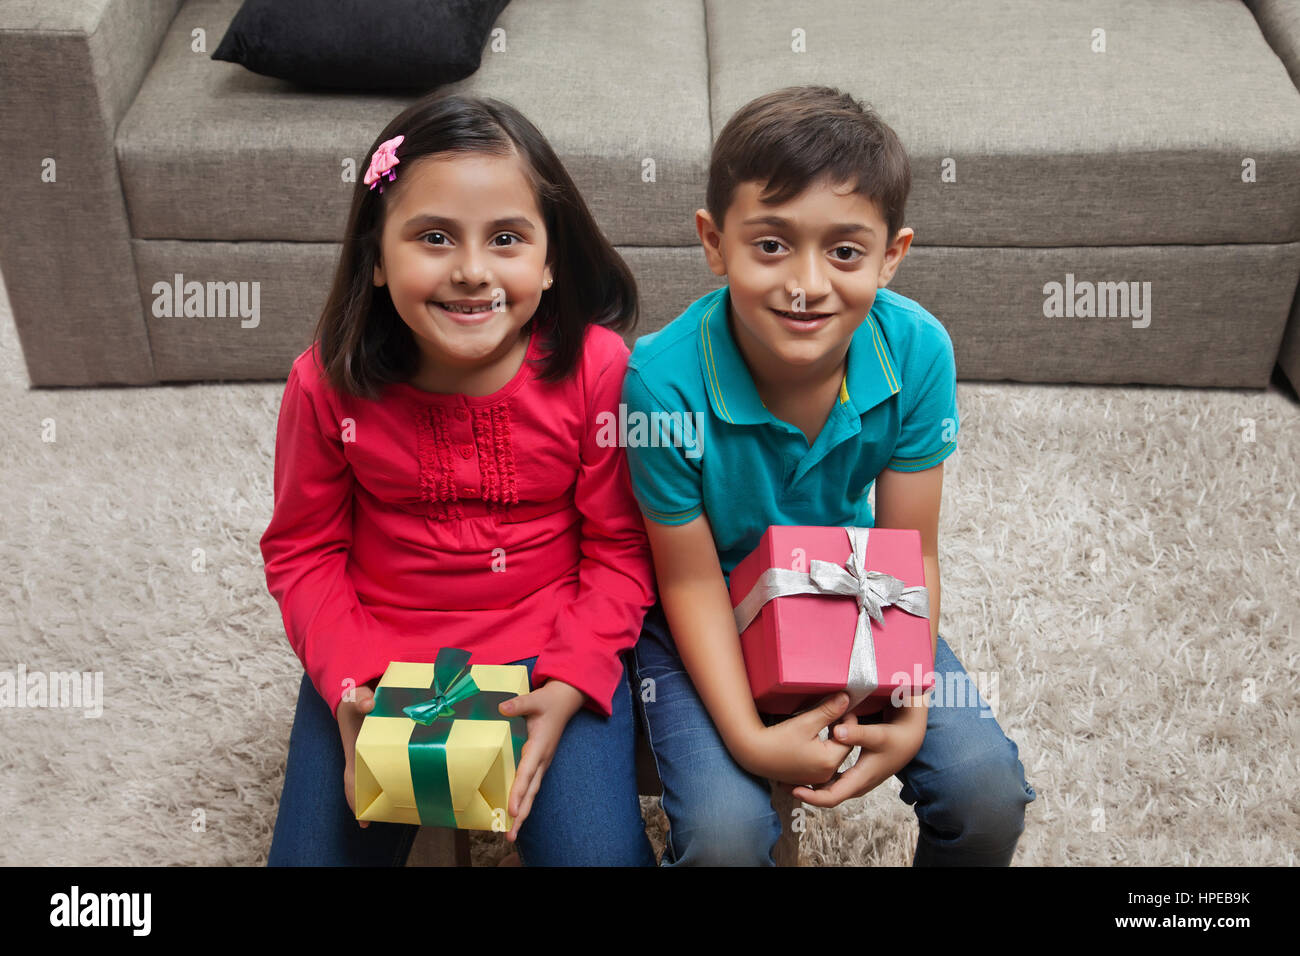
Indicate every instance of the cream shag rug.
{"type": "Point", "coordinates": [1122, 559]}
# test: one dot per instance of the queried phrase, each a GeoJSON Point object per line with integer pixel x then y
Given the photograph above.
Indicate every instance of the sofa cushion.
{"type": "Point", "coordinates": [1279, 21]}
{"type": "Point", "coordinates": [209, 150]}
{"type": "Point", "coordinates": [348, 44]}
{"type": "Point", "coordinates": [1053, 144]}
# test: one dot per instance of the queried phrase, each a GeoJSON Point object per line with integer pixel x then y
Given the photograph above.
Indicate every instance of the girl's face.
{"type": "Point", "coordinates": [463, 254]}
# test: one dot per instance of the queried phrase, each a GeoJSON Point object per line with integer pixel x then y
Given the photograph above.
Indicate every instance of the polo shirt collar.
{"type": "Point", "coordinates": [871, 376]}
{"type": "Point", "coordinates": [872, 373]}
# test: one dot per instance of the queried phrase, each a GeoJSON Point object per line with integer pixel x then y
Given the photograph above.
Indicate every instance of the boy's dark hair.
{"type": "Point", "coordinates": [793, 137]}
{"type": "Point", "coordinates": [364, 344]}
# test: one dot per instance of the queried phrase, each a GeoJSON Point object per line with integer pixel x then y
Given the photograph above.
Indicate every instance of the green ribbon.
{"type": "Point", "coordinates": [455, 697]}
{"type": "Point", "coordinates": [451, 685]}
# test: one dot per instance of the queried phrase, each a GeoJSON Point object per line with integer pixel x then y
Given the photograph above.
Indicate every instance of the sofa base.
{"type": "Point", "coordinates": [1196, 315]}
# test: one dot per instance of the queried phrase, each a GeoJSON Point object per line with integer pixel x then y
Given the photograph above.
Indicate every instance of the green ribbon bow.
{"type": "Point", "coordinates": [455, 697]}
{"type": "Point", "coordinates": [451, 684]}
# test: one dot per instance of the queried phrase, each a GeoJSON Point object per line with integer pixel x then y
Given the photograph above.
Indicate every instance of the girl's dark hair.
{"type": "Point", "coordinates": [364, 344]}
{"type": "Point", "coordinates": [790, 138]}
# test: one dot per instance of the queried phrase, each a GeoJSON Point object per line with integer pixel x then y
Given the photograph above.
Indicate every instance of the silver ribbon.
{"type": "Point", "coordinates": [873, 591]}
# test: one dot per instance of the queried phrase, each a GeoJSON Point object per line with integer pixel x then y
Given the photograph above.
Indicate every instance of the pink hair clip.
{"type": "Point", "coordinates": [382, 162]}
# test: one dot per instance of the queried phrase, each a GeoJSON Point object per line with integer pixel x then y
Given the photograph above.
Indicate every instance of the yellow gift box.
{"type": "Point", "coordinates": [453, 762]}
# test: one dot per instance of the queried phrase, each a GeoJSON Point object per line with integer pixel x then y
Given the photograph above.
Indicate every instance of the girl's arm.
{"type": "Point", "coordinates": [305, 547]}
{"type": "Point", "coordinates": [615, 576]}
{"type": "Point", "coordinates": [580, 663]}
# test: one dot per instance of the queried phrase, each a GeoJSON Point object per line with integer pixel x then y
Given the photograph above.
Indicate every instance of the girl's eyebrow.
{"type": "Point", "coordinates": [442, 222]}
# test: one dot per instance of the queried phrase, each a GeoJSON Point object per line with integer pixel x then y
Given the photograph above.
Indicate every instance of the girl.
{"type": "Point", "coordinates": [439, 483]}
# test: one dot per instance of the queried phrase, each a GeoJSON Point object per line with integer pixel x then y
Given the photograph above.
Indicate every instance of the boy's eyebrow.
{"type": "Point", "coordinates": [442, 222]}
{"type": "Point", "coordinates": [839, 229]}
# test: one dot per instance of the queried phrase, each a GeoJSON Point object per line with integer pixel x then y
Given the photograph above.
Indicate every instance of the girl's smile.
{"type": "Point", "coordinates": [467, 313]}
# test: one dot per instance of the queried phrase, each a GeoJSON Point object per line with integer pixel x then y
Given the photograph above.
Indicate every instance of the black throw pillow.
{"type": "Point", "coordinates": [355, 45]}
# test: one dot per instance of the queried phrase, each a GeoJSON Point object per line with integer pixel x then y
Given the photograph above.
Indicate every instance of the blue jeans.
{"type": "Point", "coordinates": [585, 812]}
{"type": "Point", "coordinates": [966, 782]}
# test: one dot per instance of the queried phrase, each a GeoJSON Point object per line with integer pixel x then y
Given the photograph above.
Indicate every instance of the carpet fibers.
{"type": "Point", "coordinates": [1121, 575]}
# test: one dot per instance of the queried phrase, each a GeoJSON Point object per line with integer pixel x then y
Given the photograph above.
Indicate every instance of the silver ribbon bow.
{"type": "Point", "coordinates": [873, 591]}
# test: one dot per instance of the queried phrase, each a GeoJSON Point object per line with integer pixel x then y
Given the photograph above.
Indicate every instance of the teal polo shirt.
{"type": "Point", "coordinates": [700, 440]}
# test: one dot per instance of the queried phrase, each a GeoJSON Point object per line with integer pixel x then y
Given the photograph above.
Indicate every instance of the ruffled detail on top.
{"type": "Point", "coordinates": [496, 456]}
{"type": "Point", "coordinates": [498, 484]}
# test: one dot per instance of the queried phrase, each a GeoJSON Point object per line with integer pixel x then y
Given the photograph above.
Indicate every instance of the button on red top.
{"type": "Point", "coordinates": [466, 451]}
{"type": "Point", "coordinates": [461, 414]}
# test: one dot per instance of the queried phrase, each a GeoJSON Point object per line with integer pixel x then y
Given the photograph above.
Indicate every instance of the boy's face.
{"type": "Point", "coordinates": [803, 275]}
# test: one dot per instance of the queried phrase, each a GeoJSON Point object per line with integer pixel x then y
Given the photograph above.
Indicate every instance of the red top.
{"type": "Point", "coordinates": [497, 524]}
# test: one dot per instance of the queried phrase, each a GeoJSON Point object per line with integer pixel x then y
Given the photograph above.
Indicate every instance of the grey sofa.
{"type": "Point", "coordinates": [1039, 157]}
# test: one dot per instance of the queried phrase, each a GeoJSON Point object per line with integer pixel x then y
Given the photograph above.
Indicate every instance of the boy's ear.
{"type": "Point", "coordinates": [894, 256]}
{"type": "Point", "coordinates": [711, 239]}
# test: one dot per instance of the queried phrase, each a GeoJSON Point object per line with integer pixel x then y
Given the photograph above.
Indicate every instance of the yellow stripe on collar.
{"type": "Point", "coordinates": [708, 356]}
{"type": "Point", "coordinates": [880, 354]}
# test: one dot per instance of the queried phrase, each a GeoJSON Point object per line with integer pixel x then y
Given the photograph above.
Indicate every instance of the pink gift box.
{"type": "Point", "coordinates": [797, 649]}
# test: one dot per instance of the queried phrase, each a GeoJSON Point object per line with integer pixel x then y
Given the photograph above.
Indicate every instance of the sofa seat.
{"type": "Point", "coordinates": [1142, 144]}
{"type": "Point", "coordinates": [211, 151]}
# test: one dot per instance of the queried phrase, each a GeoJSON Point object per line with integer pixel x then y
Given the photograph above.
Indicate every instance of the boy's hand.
{"type": "Point", "coordinates": [791, 751]}
{"type": "Point", "coordinates": [887, 748]}
{"type": "Point", "coordinates": [547, 711]}
{"type": "Point", "coordinates": [349, 715]}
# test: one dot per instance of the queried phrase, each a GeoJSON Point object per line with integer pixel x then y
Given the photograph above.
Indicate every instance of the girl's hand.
{"type": "Point", "coordinates": [547, 710]}
{"type": "Point", "coordinates": [350, 714]}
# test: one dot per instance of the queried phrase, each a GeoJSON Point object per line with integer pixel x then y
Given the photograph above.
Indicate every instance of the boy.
{"type": "Point", "coordinates": [814, 381]}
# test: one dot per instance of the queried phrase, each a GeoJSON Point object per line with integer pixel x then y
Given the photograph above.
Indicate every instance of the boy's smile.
{"type": "Point", "coordinates": [803, 275]}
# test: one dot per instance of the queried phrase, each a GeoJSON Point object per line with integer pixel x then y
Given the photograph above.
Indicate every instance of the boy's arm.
{"type": "Point", "coordinates": [904, 499]}
{"type": "Point", "coordinates": [910, 499]}
{"type": "Point", "coordinates": [908, 495]}
{"type": "Point", "coordinates": [698, 609]}
{"type": "Point", "coordinates": [693, 592]}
